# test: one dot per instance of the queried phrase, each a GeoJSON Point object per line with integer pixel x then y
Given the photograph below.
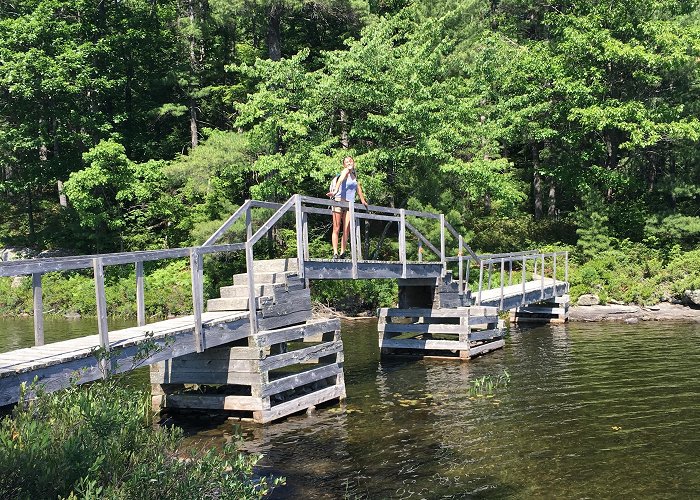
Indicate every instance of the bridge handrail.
{"type": "Point", "coordinates": [302, 205]}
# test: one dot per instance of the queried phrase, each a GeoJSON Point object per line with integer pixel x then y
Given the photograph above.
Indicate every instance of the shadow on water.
{"type": "Point", "coordinates": [591, 410]}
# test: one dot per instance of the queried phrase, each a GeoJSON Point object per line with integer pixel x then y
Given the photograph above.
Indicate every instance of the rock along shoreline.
{"type": "Point", "coordinates": [634, 314]}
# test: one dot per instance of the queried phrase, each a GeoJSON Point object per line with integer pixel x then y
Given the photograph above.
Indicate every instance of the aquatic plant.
{"type": "Point", "coordinates": [488, 385]}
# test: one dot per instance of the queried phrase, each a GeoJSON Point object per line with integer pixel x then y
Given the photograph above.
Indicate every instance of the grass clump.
{"type": "Point", "coordinates": [98, 441]}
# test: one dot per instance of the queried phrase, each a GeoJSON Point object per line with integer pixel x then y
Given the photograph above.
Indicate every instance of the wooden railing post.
{"type": "Point", "coordinates": [351, 237]}
{"type": "Point", "coordinates": [248, 222]}
{"type": "Point", "coordinates": [101, 302]}
{"type": "Point", "coordinates": [503, 272]}
{"type": "Point", "coordinates": [481, 281]}
{"type": "Point", "coordinates": [420, 251]}
{"type": "Point", "coordinates": [554, 270]}
{"type": "Point", "coordinates": [466, 277]}
{"type": "Point", "coordinates": [522, 302]}
{"type": "Point", "coordinates": [402, 241]}
{"type": "Point", "coordinates": [460, 266]}
{"type": "Point", "coordinates": [300, 234]}
{"type": "Point", "coordinates": [442, 240]}
{"type": "Point", "coordinates": [542, 278]}
{"type": "Point", "coordinates": [140, 301]}
{"type": "Point", "coordinates": [490, 272]}
{"type": "Point", "coordinates": [38, 309]}
{"type": "Point", "coordinates": [250, 273]}
{"type": "Point", "coordinates": [197, 298]}
{"type": "Point", "coordinates": [358, 238]}
{"type": "Point", "coordinates": [305, 234]}
{"type": "Point", "coordinates": [510, 271]}
{"type": "Point", "coordinates": [566, 270]}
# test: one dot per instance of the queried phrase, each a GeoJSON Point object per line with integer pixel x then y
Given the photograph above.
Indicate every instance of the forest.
{"type": "Point", "coordinates": [143, 124]}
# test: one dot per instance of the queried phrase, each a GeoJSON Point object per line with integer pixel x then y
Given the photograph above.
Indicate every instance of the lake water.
{"type": "Point", "coordinates": [591, 410]}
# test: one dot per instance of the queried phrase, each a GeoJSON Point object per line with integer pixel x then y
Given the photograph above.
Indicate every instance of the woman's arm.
{"type": "Point", "coordinates": [362, 195]}
{"type": "Point", "coordinates": [339, 184]}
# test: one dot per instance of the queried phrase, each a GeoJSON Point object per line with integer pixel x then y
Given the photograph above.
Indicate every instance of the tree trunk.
{"type": "Point", "coordinates": [30, 214]}
{"type": "Point", "coordinates": [274, 37]}
{"type": "Point", "coordinates": [194, 136]}
{"type": "Point", "coordinates": [552, 208]}
{"type": "Point", "coordinates": [344, 129]}
{"type": "Point", "coordinates": [537, 182]}
{"type": "Point", "coordinates": [62, 201]}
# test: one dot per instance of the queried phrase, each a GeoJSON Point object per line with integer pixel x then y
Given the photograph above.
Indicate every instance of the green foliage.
{"type": "Point", "coordinates": [98, 441]}
{"type": "Point", "coordinates": [354, 296]}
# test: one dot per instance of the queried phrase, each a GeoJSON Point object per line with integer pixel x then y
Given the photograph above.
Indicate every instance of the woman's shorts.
{"type": "Point", "coordinates": [339, 210]}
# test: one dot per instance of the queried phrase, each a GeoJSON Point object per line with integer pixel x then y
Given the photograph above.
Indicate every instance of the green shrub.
{"type": "Point", "coordinates": [353, 296]}
{"type": "Point", "coordinates": [97, 441]}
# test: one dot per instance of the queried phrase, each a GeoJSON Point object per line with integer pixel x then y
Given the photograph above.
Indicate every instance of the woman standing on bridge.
{"type": "Point", "coordinates": [344, 189]}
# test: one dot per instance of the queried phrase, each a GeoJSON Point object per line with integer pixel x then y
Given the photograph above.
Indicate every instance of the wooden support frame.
{"type": "Point", "coordinates": [140, 298]}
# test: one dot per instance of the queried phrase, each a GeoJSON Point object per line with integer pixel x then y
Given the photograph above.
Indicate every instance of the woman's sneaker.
{"type": "Point", "coordinates": [335, 256]}
{"type": "Point", "coordinates": [341, 256]}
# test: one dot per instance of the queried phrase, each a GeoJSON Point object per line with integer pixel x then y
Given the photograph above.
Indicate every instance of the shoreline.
{"type": "Point", "coordinates": [633, 314]}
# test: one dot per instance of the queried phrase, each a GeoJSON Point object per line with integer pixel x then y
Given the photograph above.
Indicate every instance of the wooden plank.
{"type": "Point", "coordinates": [301, 355]}
{"type": "Point", "coordinates": [441, 345]}
{"type": "Point", "coordinates": [203, 377]}
{"type": "Point", "coordinates": [478, 335]}
{"type": "Point", "coordinates": [302, 378]}
{"type": "Point", "coordinates": [213, 402]}
{"type": "Point", "coordinates": [226, 225]}
{"type": "Point", "coordinates": [484, 348]}
{"type": "Point", "coordinates": [421, 328]}
{"type": "Point", "coordinates": [271, 221]}
{"type": "Point", "coordinates": [303, 402]}
{"type": "Point", "coordinates": [269, 337]}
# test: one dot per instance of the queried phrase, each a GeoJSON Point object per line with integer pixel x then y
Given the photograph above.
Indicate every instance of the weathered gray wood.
{"type": "Point", "coordinates": [38, 309]}
{"type": "Point", "coordinates": [437, 313]}
{"type": "Point", "coordinates": [442, 237]}
{"type": "Point", "coordinates": [250, 275]}
{"type": "Point", "coordinates": [300, 234]}
{"type": "Point", "coordinates": [301, 355]}
{"type": "Point", "coordinates": [402, 241]}
{"type": "Point", "coordinates": [226, 225]}
{"type": "Point", "coordinates": [422, 239]}
{"type": "Point", "coordinates": [213, 402]}
{"type": "Point", "coordinates": [484, 348]}
{"type": "Point", "coordinates": [101, 302]}
{"type": "Point", "coordinates": [312, 328]}
{"type": "Point", "coordinates": [503, 270]}
{"type": "Point", "coordinates": [481, 282]}
{"type": "Point", "coordinates": [351, 237]}
{"type": "Point", "coordinates": [140, 302]}
{"type": "Point", "coordinates": [302, 378]}
{"type": "Point", "coordinates": [373, 208]}
{"type": "Point", "coordinates": [197, 300]}
{"type": "Point", "coordinates": [269, 224]}
{"type": "Point", "coordinates": [542, 278]}
{"type": "Point", "coordinates": [421, 328]}
{"type": "Point", "coordinates": [303, 402]}
{"type": "Point", "coordinates": [478, 335]}
{"type": "Point", "coordinates": [460, 269]}
{"type": "Point", "coordinates": [181, 376]}
{"type": "Point", "coordinates": [327, 269]}
{"type": "Point", "coordinates": [441, 345]}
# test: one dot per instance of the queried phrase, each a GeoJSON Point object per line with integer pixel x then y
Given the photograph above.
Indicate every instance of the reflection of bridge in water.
{"type": "Point", "coordinates": [277, 359]}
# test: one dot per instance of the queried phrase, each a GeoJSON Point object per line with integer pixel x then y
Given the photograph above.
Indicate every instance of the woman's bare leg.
{"type": "Point", "coordinates": [337, 219]}
{"type": "Point", "coordinates": [346, 230]}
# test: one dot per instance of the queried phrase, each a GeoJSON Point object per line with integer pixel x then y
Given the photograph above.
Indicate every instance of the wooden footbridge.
{"type": "Point", "coordinates": [274, 358]}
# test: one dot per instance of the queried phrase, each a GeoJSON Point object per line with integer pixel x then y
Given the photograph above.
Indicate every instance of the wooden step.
{"type": "Point", "coordinates": [230, 304]}
{"type": "Point", "coordinates": [263, 278]}
{"type": "Point", "coordinates": [275, 266]}
{"type": "Point", "coordinates": [235, 291]}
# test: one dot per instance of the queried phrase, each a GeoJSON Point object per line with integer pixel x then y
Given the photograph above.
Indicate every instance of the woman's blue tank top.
{"type": "Point", "coordinates": [348, 188]}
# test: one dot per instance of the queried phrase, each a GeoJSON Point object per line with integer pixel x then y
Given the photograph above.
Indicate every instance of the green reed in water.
{"type": "Point", "coordinates": [488, 385]}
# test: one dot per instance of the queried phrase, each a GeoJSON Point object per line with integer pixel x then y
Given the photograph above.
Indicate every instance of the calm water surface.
{"type": "Point", "coordinates": [591, 410]}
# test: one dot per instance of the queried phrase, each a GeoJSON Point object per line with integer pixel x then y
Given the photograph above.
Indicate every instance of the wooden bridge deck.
{"type": "Point", "coordinates": [513, 295]}
{"type": "Point", "coordinates": [60, 362]}
{"type": "Point", "coordinates": [326, 269]}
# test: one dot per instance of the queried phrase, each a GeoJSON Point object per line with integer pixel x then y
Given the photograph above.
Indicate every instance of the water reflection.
{"type": "Point", "coordinates": [591, 410]}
